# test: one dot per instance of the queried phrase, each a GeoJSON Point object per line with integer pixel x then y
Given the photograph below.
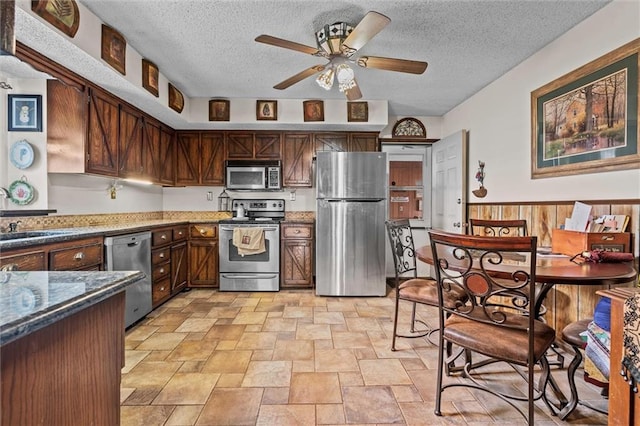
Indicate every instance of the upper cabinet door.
{"type": "Point", "coordinates": [267, 146]}
{"type": "Point", "coordinates": [212, 157]}
{"type": "Point", "coordinates": [187, 158]}
{"type": "Point", "coordinates": [167, 156]}
{"type": "Point", "coordinates": [102, 134]}
{"type": "Point", "coordinates": [239, 146]}
{"type": "Point", "coordinates": [297, 160]}
{"type": "Point", "coordinates": [131, 144]}
{"type": "Point", "coordinates": [337, 142]}
{"type": "Point", "coordinates": [364, 142]}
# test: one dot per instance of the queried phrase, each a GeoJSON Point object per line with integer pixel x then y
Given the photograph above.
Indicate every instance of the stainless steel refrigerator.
{"type": "Point", "coordinates": [350, 235]}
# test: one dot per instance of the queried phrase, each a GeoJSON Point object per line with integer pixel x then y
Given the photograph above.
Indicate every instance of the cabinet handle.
{"type": "Point", "coordinates": [9, 267]}
{"type": "Point", "coordinates": [161, 256]}
{"type": "Point", "coordinates": [163, 237]}
{"type": "Point", "coordinates": [161, 288]}
{"type": "Point", "coordinates": [297, 231]}
{"type": "Point", "coordinates": [79, 256]}
{"type": "Point", "coordinates": [180, 233]}
{"type": "Point", "coordinates": [203, 231]}
{"type": "Point", "coordinates": [161, 270]}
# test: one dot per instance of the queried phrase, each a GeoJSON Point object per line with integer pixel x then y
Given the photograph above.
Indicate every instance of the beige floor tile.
{"type": "Point", "coordinates": [169, 318]}
{"type": "Point", "coordinates": [276, 396]}
{"type": "Point", "coordinates": [162, 341]}
{"type": "Point", "coordinates": [197, 350]}
{"type": "Point", "coordinates": [362, 324]}
{"type": "Point", "coordinates": [297, 312]}
{"type": "Point", "coordinates": [407, 393]}
{"type": "Point", "coordinates": [225, 332]}
{"type": "Point", "coordinates": [329, 414]}
{"type": "Point", "coordinates": [383, 372]}
{"type": "Point", "coordinates": [350, 339]}
{"type": "Point", "coordinates": [187, 389]}
{"type": "Point", "coordinates": [370, 404]}
{"type": "Point", "coordinates": [141, 332]}
{"type": "Point", "coordinates": [351, 378]}
{"type": "Point", "coordinates": [262, 355]}
{"type": "Point", "coordinates": [303, 366]}
{"type": "Point", "coordinates": [328, 318]}
{"type": "Point", "coordinates": [293, 350]}
{"type": "Point", "coordinates": [286, 415]}
{"type": "Point", "coordinates": [143, 395]}
{"type": "Point", "coordinates": [315, 388]}
{"type": "Point", "coordinates": [191, 367]}
{"type": "Point", "coordinates": [313, 331]}
{"type": "Point", "coordinates": [150, 373]}
{"type": "Point", "coordinates": [267, 374]}
{"type": "Point", "coordinates": [227, 362]}
{"type": "Point", "coordinates": [231, 407]}
{"type": "Point", "coordinates": [132, 358]}
{"type": "Point", "coordinates": [261, 340]}
{"type": "Point", "coordinates": [184, 415]}
{"type": "Point", "coordinates": [280, 324]}
{"type": "Point", "coordinates": [250, 318]}
{"type": "Point", "coordinates": [144, 415]}
{"type": "Point", "coordinates": [226, 345]}
{"type": "Point", "coordinates": [192, 325]}
{"type": "Point", "coordinates": [230, 380]}
{"type": "Point", "coordinates": [334, 360]}
{"type": "Point", "coordinates": [223, 312]}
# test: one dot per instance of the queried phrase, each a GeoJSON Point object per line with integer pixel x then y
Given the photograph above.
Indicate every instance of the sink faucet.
{"type": "Point", "coordinates": [13, 226]}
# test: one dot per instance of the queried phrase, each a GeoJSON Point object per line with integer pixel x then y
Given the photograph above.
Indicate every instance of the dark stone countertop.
{"type": "Point", "coordinates": [30, 301]}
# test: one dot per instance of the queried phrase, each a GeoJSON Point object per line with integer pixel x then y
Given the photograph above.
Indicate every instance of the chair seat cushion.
{"type": "Point", "coordinates": [571, 333]}
{"type": "Point", "coordinates": [499, 341]}
{"type": "Point", "coordinates": [426, 291]}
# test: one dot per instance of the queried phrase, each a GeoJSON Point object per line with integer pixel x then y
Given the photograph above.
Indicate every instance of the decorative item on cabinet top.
{"type": "Point", "coordinates": [266, 110]}
{"type": "Point", "coordinates": [219, 110]}
{"type": "Point", "coordinates": [21, 154]}
{"type": "Point", "coordinates": [114, 48]}
{"type": "Point", "coordinates": [313, 110]}
{"type": "Point", "coordinates": [409, 127]}
{"type": "Point", "coordinates": [176, 100]}
{"type": "Point", "coordinates": [357, 111]}
{"type": "Point", "coordinates": [62, 14]}
{"type": "Point", "coordinates": [150, 77]}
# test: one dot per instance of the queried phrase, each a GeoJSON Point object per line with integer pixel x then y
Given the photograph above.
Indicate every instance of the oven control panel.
{"type": "Point", "coordinates": [269, 205]}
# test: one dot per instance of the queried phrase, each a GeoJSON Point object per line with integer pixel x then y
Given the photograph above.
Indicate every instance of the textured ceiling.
{"type": "Point", "coordinates": [206, 48]}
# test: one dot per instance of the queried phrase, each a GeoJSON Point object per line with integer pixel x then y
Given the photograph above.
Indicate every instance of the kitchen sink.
{"type": "Point", "coordinates": [9, 236]}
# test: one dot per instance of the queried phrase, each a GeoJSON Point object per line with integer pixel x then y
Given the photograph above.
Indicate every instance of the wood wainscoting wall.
{"type": "Point", "coordinates": [565, 303]}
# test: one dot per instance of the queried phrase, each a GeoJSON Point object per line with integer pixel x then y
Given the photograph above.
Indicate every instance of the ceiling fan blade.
{"type": "Point", "coordinates": [371, 24]}
{"type": "Point", "coordinates": [392, 64]}
{"type": "Point", "coordinates": [280, 42]}
{"type": "Point", "coordinates": [299, 77]}
{"type": "Point", "coordinates": [354, 93]}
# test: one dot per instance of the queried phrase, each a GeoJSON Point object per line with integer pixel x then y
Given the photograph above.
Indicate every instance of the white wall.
{"type": "Point", "coordinates": [498, 117]}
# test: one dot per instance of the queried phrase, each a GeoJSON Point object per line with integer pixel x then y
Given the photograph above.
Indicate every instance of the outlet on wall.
{"type": "Point", "coordinates": [292, 195]}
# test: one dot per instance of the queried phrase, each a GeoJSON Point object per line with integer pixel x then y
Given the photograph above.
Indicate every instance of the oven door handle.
{"type": "Point", "coordinates": [262, 276]}
{"type": "Point", "coordinates": [225, 228]}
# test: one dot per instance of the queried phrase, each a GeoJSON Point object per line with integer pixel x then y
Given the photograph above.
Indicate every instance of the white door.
{"type": "Point", "coordinates": [449, 183]}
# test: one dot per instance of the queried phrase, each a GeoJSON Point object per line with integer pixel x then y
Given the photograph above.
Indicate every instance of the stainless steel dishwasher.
{"type": "Point", "coordinates": [132, 252]}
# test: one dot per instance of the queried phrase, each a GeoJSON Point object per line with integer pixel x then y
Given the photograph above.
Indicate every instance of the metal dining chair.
{"type": "Point", "coordinates": [489, 323]}
{"type": "Point", "coordinates": [498, 227]}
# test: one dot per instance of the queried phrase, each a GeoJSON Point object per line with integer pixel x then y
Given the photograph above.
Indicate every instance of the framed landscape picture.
{"type": "Point", "coordinates": [313, 110]}
{"type": "Point", "coordinates": [62, 14]}
{"type": "Point", "coordinates": [25, 113]}
{"type": "Point", "coordinates": [150, 76]}
{"type": "Point", "coordinates": [587, 120]}
{"type": "Point", "coordinates": [219, 110]}
{"type": "Point", "coordinates": [357, 111]}
{"type": "Point", "coordinates": [266, 110]}
{"type": "Point", "coordinates": [114, 48]}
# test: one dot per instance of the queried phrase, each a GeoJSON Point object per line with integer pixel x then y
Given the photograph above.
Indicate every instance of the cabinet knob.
{"type": "Point", "coordinates": [203, 231]}
{"type": "Point", "coordinates": [161, 270]}
{"type": "Point", "coordinates": [78, 256]}
{"type": "Point", "coordinates": [297, 231]}
{"type": "Point", "coordinates": [180, 233]}
{"type": "Point", "coordinates": [161, 256]}
{"type": "Point", "coordinates": [161, 288]}
{"type": "Point", "coordinates": [163, 237]}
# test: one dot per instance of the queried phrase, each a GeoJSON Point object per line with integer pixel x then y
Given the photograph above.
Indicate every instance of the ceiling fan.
{"type": "Point", "coordinates": [338, 43]}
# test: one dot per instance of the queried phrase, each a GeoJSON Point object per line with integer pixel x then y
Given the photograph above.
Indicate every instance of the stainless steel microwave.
{"type": "Point", "coordinates": [253, 175]}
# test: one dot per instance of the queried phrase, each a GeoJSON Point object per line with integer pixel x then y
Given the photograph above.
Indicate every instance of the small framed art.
{"type": "Point", "coordinates": [150, 75]}
{"type": "Point", "coordinates": [313, 110]}
{"type": "Point", "coordinates": [266, 110]}
{"type": "Point", "coordinates": [62, 14]}
{"type": "Point", "coordinates": [114, 48]}
{"type": "Point", "coordinates": [25, 113]}
{"type": "Point", "coordinates": [219, 110]}
{"type": "Point", "coordinates": [357, 111]}
{"type": "Point", "coordinates": [176, 100]}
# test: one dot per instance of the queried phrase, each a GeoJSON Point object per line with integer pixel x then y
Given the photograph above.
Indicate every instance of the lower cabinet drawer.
{"type": "Point", "coordinates": [160, 271]}
{"type": "Point", "coordinates": [160, 290]}
{"type": "Point", "coordinates": [25, 261]}
{"type": "Point", "coordinates": [160, 255]}
{"type": "Point", "coordinates": [75, 257]}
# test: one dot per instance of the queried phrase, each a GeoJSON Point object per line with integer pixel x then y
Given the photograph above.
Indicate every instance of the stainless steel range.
{"type": "Point", "coordinates": [255, 271]}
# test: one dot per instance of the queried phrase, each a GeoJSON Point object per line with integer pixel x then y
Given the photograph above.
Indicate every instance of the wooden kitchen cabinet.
{"type": "Point", "coordinates": [297, 253]}
{"type": "Point", "coordinates": [297, 160]}
{"type": "Point", "coordinates": [203, 255]}
{"type": "Point", "coordinates": [332, 141]}
{"type": "Point", "coordinates": [168, 263]}
{"type": "Point", "coordinates": [366, 141]}
{"type": "Point", "coordinates": [254, 145]}
{"type": "Point", "coordinates": [84, 254]}
{"type": "Point", "coordinates": [200, 158]}
{"type": "Point", "coordinates": [132, 147]}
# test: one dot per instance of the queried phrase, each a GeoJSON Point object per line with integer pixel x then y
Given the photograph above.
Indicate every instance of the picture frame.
{"type": "Point", "coordinates": [62, 14]}
{"type": "Point", "coordinates": [266, 110]}
{"type": "Point", "coordinates": [219, 110]}
{"type": "Point", "coordinates": [587, 120]}
{"type": "Point", "coordinates": [176, 100]}
{"type": "Point", "coordinates": [114, 49]}
{"type": "Point", "coordinates": [357, 112]}
{"type": "Point", "coordinates": [24, 113]}
{"type": "Point", "coordinates": [150, 77]}
{"type": "Point", "coordinates": [313, 110]}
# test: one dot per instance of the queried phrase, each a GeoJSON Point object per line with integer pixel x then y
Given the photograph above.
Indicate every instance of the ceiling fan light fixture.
{"type": "Point", "coordinates": [325, 78]}
{"type": "Point", "coordinates": [330, 37]}
{"type": "Point", "coordinates": [346, 77]}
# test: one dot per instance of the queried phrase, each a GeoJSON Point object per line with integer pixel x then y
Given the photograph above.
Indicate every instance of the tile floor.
{"type": "Point", "coordinates": [292, 358]}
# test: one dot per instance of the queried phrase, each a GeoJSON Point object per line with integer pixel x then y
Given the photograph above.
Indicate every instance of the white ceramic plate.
{"type": "Point", "coordinates": [21, 192]}
{"type": "Point", "coordinates": [21, 154]}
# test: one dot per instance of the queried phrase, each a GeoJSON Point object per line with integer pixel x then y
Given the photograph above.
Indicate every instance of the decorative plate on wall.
{"type": "Point", "coordinates": [21, 192]}
{"type": "Point", "coordinates": [21, 154]}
